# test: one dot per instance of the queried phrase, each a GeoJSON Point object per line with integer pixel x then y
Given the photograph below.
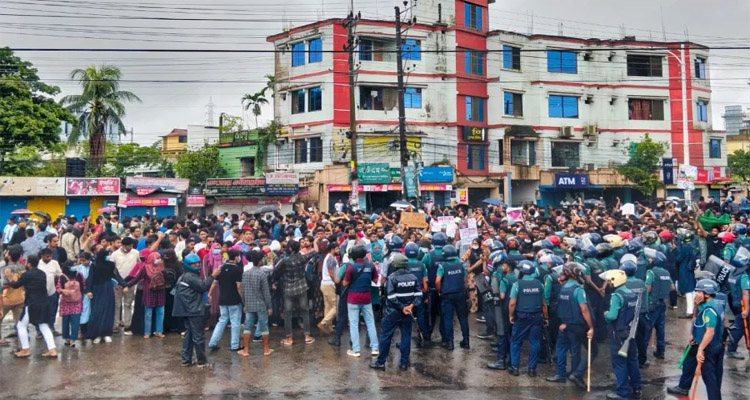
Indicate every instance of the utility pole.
{"type": "Point", "coordinates": [350, 22]}
{"type": "Point", "coordinates": [685, 132]}
{"type": "Point", "coordinates": [401, 109]}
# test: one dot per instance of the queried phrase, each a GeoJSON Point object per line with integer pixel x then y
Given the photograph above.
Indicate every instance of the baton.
{"type": "Point", "coordinates": [684, 356]}
{"type": "Point", "coordinates": [697, 378]}
{"type": "Point", "coordinates": [588, 373]}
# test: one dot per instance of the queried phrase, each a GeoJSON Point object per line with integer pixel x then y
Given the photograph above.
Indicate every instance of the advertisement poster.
{"type": "Point", "coordinates": [92, 186]}
{"type": "Point", "coordinates": [235, 187]}
{"type": "Point", "coordinates": [195, 200]}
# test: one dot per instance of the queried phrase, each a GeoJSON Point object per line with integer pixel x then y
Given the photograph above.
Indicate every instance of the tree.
{"type": "Point", "coordinates": [255, 100]}
{"type": "Point", "coordinates": [643, 166]}
{"type": "Point", "coordinates": [122, 157]}
{"type": "Point", "coordinates": [270, 84]}
{"type": "Point", "coordinates": [199, 165]}
{"type": "Point", "coordinates": [98, 106]}
{"type": "Point", "coordinates": [267, 135]}
{"type": "Point", "coordinates": [29, 116]}
{"type": "Point", "coordinates": [739, 164]}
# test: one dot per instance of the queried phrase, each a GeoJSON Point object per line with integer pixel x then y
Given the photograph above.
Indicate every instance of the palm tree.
{"type": "Point", "coordinates": [98, 106]}
{"type": "Point", "coordinates": [255, 100]}
{"type": "Point", "coordinates": [270, 84]}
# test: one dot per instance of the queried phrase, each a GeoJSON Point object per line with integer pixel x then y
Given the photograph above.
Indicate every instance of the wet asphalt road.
{"type": "Point", "coordinates": [132, 367]}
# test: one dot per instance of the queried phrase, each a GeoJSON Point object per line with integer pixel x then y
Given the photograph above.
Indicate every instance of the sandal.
{"type": "Point", "coordinates": [19, 355]}
{"type": "Point", "coordinates": [288, 341]}
{"type": "Point", "coordinates": [268, 353]}
{"type": "Point", "coordinates": [49, 354]}
{"type": "Point", "coordinates": [159, 335]}
{"type": "Point", "coordinates": [309, 340]}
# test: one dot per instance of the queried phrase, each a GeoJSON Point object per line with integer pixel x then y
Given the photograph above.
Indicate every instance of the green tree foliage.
{"type": "Point", "coordinates": [30, 119]}
{"type": "Point", "coordinates": [267, 135]}
{"type": "Point", "coordinates": [28, 161]}
{"type": "Point", "coordinates": [121, 158]}
{"type": "Point", "coordinates": [255, 101]}
{"type": "Point", "coordinates": [739, 163]}
{"type": "Point", "coordinates": [100, 104]}
{"type": "Point", "coordinates": [199, 165]}
{"type": "Point", "coordinates": [643, 166]}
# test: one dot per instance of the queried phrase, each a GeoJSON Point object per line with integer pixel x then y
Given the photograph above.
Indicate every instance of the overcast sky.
{"type": "Point", "coordinates": [225, 78]}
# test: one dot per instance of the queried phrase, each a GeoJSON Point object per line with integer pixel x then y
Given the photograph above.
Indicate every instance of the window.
{"type": "Point", "coordinates": [715, 148]}
{"type": "Point", "coordinates": [522, 152]}
{"type": "Point", "coordinates": [300, 151]}
{"type": "Point", "coordinates": [413, 98]}
{"type": "Point", "coordinates": [566, 154]}
{"type": "Point", "coordinates": [411, 49]}
{"type": "Point", "coordinates": [298, 101]}
{"type": "Point", "coordinates": [646, 109]}
{"type": "Point", "coordinates": [701, 110]}
{"type": "Point", "coordinates": [700, 67]}
{"type": "Point", "coordinates": [308, 150]}
{"type": "Point", "coordinates": [563, 106]}
{"type": "Point", "coordinates": [377, 98]}
{"type": "Point", "coordinates": [298, 54]}
{"type": "Point", "coordinates": [501, 152]}
{"type": "Point", "coordinates": [512, 57]}
{"type": "Point", "coordinates": [315, 47]}
{"type": "Point", "coordinates": [474, 109]}
{"type": "Point", "coordinates": [640, 65]}
{"type": "Point", "coordinates": [365, 50]}
{"type": "Point", "coordinates": [474, 62]}
{"type": "Point", "coordinates": [472, 16]}
{"type": "Point", "coordinates": [182, 139]}
{"type": "Point", "coordinates": [379, 50]}
{"type": "Point", "coordinates": [315, 99]}
{"type": "Point", "coordinates": [247, 166]}
{"type": "Point", "coordinates": [565, 62]}
{"type": "Point", "coordinates": [475, 156]}
{"type": "Point", "coordinates": [513, 104]}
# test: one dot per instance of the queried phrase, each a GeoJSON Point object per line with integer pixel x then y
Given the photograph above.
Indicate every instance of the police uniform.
{"type": "Point", "coordinates": [453, 298]}
{"type": "Point", "coordinates": [571, 339]}
{"type": "Point", "coordinates": [544, 276]}
{"type": "Point", "coordinates": [660, 282]}
{"type": "Point", "coordinates": [638, 287]}
{"type": "Point", "coordinates": [505, 283]}
{"type": "Point", "coordinates": [620, 315]}
{"type": "Point", "coordinates": [728, 252]}
{"type": "Point", "coordinates": [416, 268]}
{"type": "Point", "coordinates": [709, 315]}
{"type": "Point", "coordinates": [402, 290]}
{"type": "Point", "coordinates": [432, 309]}
{"type": "Point", "coordinates": [529, 295]}
{"type": "Point", "coordinates": [737, 285]}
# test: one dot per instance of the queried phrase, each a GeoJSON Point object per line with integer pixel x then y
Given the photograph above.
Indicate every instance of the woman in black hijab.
{"type": "Point", "coordinates": [100, 289]}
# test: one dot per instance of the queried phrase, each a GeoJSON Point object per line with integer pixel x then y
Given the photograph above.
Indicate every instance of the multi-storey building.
{"type": "Point", "coordinates": [506, 111]}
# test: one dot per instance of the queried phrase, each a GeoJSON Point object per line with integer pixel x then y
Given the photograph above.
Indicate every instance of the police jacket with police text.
{"type": "Point", "coordinates": [403, 289]}
{"type": "Point", "coordinates": [453, 278]}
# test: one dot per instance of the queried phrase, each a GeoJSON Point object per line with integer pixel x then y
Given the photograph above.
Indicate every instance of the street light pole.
{"type": "Point", "coordinates": [685, 132]}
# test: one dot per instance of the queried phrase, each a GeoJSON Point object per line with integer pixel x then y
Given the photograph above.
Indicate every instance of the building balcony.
{"type": "Point", "coordinates": [237, 138]}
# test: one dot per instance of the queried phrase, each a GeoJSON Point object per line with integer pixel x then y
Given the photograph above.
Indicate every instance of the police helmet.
{"type": "Point", "coordinates": [358, 252]}
{"type": "Point", "coordinates": [554, 239]}
{"type": "Point", "coordinates": [629, 268]}
{"type": "Point", "coordinates": [512, 244]}
{"type": "Point", "coordinates": [688, 237]}
{"type": "Point", "coordinates": [700, 275]}
{"type": "Point", "coordinates": [411, 250]}
{"type": "Point", "coordinates": [614, 240]}
{"type": "Point", "coordinates": [399, 261]}
{"type": "Point", "coordinates": [547, 245]}
{"type": "Point", "coordinates": [496, 245]}
{"type": "Point", "coordinates": [499, 259]}
{"type": "Point", "coordinates": [635, 245]}
{"type": "Point", "coordinates": [191, 259]}
{"type": "Point", "coordinates": [395, 243]}
{"type": "Point", "coordinates": [657, 256]}
{"type": "Point", "coordinates": [741, 229]}
{"type": "Point", "coordinates": [628, 257]}
{"type": "Point", "coordinates": [650, 237]}
{"type": "Point", "coordinates": [726, 237]}
{"type": "Point", "coordinates": [590, 251]}
{"type": "Point", "coordinates": [707, 286]}
{"type": "Point", "coordinates": [449, 251]}
{"type": "Point", "coordinates": [573, 270]}
{"type": "Point", "coordinates": [544, 252]}
{"type": "Point", "coordinates": [439, 239]}
{"type": "Point", "coordinates": [526, 267]}
{"type": "Point", "coordinates": [595, 238]}
{"type": "Point", "coordinates": [616, 276]}
{"type": "Point", "coordinates": [604, 249]}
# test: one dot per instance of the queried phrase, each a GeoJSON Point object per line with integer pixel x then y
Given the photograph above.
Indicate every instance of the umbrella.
{"type": "Point", "coordinates": [593, 202]}
{"type": "Point", "coordinates": [21, 211]}
{"type": "Point", "coordinates": [401, 204]}
{"type": "Point", "coordinates": [42, 214]}
{"type": "Point", "coordinates": [493, 202]}
{"type": "Point", "coordinates": [267, 209]}
{"type": "Point", "coordinates": [107, 209]}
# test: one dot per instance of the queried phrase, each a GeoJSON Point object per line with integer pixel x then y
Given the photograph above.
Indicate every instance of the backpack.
{"type": "Point", "coordinates": [74, 291]}
{"type": "Point", "coordinates": [14, 297]}
{"type": "Point", "coordinates": [158, 282]}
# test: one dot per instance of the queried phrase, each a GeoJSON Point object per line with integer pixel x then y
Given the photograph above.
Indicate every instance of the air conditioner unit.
{"type": "Point", "coordinates": [566, 131]}
{"type": "Point", "coordinates": [590, 130]}
{"type": "Point", "coordinates": [590, 166]}
{"type": "Point", "coordinates": [283, 167]}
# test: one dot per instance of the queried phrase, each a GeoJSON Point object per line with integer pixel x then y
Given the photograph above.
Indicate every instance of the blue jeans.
{"type": "Point", "coordinates": [627, 373]}
{"type": "Point", "coordinates": [571, 340]}
{"type": "Point", "coordinates": [147, 312]}
{"type": "Point", "coordinates": [658, 318]}
{"type": "Point", "coordinates": [526, 325]}
{"type": "Point", "coordinates": [261, 318]}
{"type": "Point", "coordinates": [395, 318]}
{"type": "Point", "coordinates": [227, 314]}
{"type": "Point", "coordinates": [454, 302]}
{"type": "Point", "coordinates": [70, 326]}
{"type": "Point", "coordinates": [53, 302]}
{"type": "Point", "coordinates": [711, 371]}
{"type": "Point", "coordinates": [366, 309]}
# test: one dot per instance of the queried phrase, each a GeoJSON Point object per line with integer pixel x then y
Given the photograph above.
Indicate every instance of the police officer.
{"type": "Point", "coordinates": [394, 247]}
{"type": "Point", "coordinates": [404, 295]}
{"type": "Point", "coordinates": [432, 309]}
{"type": "Point", "coordinates": [739, 292]}
{"type": "Point", "coordinates": [742, 240]}
{"type": "Point", "coordinates": [659, 285]}
{"type": "Point", "coordinates": [503, 280]}
{"type": "Point", "coordinates": [622, 310]}
{"type": "Point", "coordinates": [575, 323]}
{"type": "Point", "coordinates": [514, 253]}
{"type": "Point", "coordinates": [450, 282]}
{"type": "Point", "coordinates": [638, 287]}
{"type": "Point", "coordinates": [706, 346]}
{"type": "Point", "coordinates": [650, 240]}
{"type": "Point", "coordinates": [416, 268]}
{"type": "Point", "coordinates": [528, 312]}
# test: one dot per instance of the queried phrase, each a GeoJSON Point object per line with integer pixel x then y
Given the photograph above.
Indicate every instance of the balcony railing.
{"type": "Point", "coordinates": [237, 137]}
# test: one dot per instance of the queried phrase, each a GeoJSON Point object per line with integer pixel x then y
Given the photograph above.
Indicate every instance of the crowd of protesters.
{"type": "Point", "coordinates": [524, 277]}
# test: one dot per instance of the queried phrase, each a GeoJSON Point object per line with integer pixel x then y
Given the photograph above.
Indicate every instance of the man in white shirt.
{"type": "Point", "coordinates": [125, 259]}
{"type": "Point", "coordinates": [53, 270]}
{"type": "Point", "coordinates": [8, 231]}
{"type": "Point", "coordinates": [328, 287]}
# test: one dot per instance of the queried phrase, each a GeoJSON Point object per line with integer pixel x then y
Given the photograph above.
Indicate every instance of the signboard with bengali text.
{"type": "Point", "coordinates": [92, 186]}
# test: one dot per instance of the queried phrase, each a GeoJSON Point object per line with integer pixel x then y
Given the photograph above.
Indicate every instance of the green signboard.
{"type": "Point", "coordinates": [374, 173]}
{"type": "Point", "coordinates": [395, 175]}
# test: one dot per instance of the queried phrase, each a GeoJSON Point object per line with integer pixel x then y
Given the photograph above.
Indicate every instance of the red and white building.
{"type": "Point", "coordinates": [500, 107]}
